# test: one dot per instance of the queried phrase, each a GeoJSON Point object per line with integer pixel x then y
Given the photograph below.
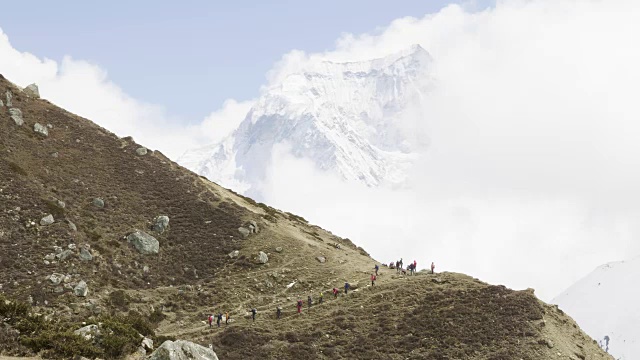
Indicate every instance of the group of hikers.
{"type": "Point", "coordinates": [398, 265]}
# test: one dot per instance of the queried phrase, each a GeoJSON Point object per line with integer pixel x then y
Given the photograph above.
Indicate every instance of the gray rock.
{"type": "Point", "coordinates": [279, 249]}
{"type": "Point", "coordinates": [182, 350]}
{"type": "Point", "coordinates": [1, 103]}
{"type": "Point", "coordinates": [55, 154]}
{"type": "Point", "coordinates": [64, 255]}
{"type": "Point", "coordinates": [88, 332]}
{"type": "Point", "coordinates": [47, 220]}
{"type": "Point", "coordinates": [16, 116]}
{"type": "Point", "coordinates": [72, 226]}
{"type": "Point", "coordinates": [60, 204]}
{"type": "Point", "coordinates": [72, 246]}
{"type": "Point", "coordinates": [40, 129]}
{"type": "Point", "coordinates": [147, 343]}
{"type": "Point", "coordinates": [160, 223]}
{"type": "Point", "coordinates": [262, 257]}
{"type": "Point", "coordinates": [56, 278]}
{"type": "Point", "coordinates": [234, 254]}
{"type": "Point", "coordinates": [50, 257]}
{"type": "Point", "coordinates": [32, 91]}
{"type": "Point", "coordinates": [141, 151]}
{"type": "Point", "coordinates": [8, 96]}
{"type": "Point", "coordinates": [144, 243]}
{"type": "Point", "coordinates": [97, 202]}
{"type": "Point", "coordinates": [145, 269]}
{"type": "Point", "coordinates": [254, 226]}
{"type": "Point", "coordinates": [244, 231]}
{"type": "Point", "coordinates": [85, 255]}
{"type": "Point", "coordinates": [58, 290]}
{"type": "Point", "coordinates": [321, 259]}
{"type": "Point", "coordinates": [81, 289]}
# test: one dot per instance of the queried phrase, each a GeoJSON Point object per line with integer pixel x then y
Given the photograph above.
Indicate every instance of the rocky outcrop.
{"type": "Point", "coordinates": [32, 91]}
{"type": "Point", "coordinates": [8, 96]}
{"type": "Point", "coordinates": [141, 151]}
{"type": "Point", "coordinates": [182, 350]}
{"type": "Point", "coordinates": [64, 255]}
{"type": "Point", "coordinates": [16, 116]}
{"type": "Point", "coordinates": [160, 224]}
{"type": "Point", "coordinates": [262, 257]}
{"type": "Point", "coordinates": [41, 129]}
{"type": "Point", "coordinates": [81, 289]}
{"type": "Point", "coordinates": [144, 243]}
{"type": "Point", "coordinates": [47, 220]}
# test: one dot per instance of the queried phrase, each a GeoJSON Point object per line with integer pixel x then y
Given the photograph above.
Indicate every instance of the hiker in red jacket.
{"type": "Point", "coordinates": [299, 306]}
{"type": "Point", "coordinates": [335, 293]}
{"type": "Point", "coordinates": [415, 266]}
{"type": "Point", "coordinates": [432, 267]}
{"type": "Point", "coordinates": [373, 279]}
{"type": "Point", "coordinates": [210, 321]}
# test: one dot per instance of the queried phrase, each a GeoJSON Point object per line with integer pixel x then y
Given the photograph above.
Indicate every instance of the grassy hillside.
{"type": "Point", "coordinates": [170, 293]}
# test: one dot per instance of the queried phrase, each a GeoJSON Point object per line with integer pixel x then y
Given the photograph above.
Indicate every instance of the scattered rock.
{"type": "Point", "coordinates": [141, 151]}
{"type": "Point", "coordinates": [9, 95]}
{"type": "Point", "coordinates": [81, 289]}
{"type": "Point", "coordinates": [47, 220]}
{"type": "Point", "coordinates": [61, 204]}
{"type": "Point", "coordinates": [1, 103]}
{"type": "Point", "coordinates": [16, 116]}
{"type": "Point", "coordinates": [279, 249]}
{"type": "Point", "coordinates": [88, 332]}
{"type": "Point", "coordinates": [50, 257]}
{"type": "Point", "coordinates": [262, 257]}
{"type": "Point", "coordinates": [54, 154]}
{"type": "Point", "coordinates": [32, 91]}
{"type": "Point", "coordinates": [145, 269]}
{"type": "Point", "coordinates": [85, 255]}
{"type": "Point", "coordinates": [147, 343]}
{"type": "Point", "coordinates": [253, 226]}
{"type": "Point", "coordinates": [160, 223]}
{"type": "Point", "coordinates": [72, 246]}
{"type": "Point", "coordinates": [144, 243]}
{"type": "Point", "coordinates": [182, 350]}
{"type": "Point", "coordinates": [244, 231]}
{"type": "Point", "coordinates": [56, 278]}
{"type": "Point", "coordinates": [40, 129]}
{"type": "Point", "coordinates": [234, 254]}
{"type": "Point", "coordinates": [321, 259]}
{"type": "Point", "coordinates": [72, 226]}
{"type": "Point", "coordinates": [97, 202]}
{"type": "Point", "coordinates": [64, 255]}
{"type": "Point", "coordinates": [547, 342]}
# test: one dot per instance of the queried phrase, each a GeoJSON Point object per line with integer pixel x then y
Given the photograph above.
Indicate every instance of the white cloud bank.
{"type": "Point", "coordinates": [532, 175]}
{"type": "Point", "coordinates": [85, 89]}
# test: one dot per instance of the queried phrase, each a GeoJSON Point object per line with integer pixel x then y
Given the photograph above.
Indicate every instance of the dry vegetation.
{"type": "Point", "coordinates": [169, 294]}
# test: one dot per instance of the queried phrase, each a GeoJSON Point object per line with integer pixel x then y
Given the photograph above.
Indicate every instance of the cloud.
{"type": "Point", "coordinates": [532, 171]}
{"type": "Point", "coordinates": [85, 89]}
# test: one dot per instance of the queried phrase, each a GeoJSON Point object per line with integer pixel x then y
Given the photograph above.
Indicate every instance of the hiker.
{"type": "Point", "coordinates": [376, 267]}
{"type": "Point", "coordinates": [391, 265]}
{"type": "Point", "coordinates": [226, 318]}
{"type": "Point", "coordinates": [335, 293]}
{"type": "Point", "coordinates": [210, 321]}
{"type": "Point", "coordinates": [432, 267]}
{"type": "Point", "coordinates": [415, 266]}
{"type": "Point", "coordinates": [320, 298]}
{"type": "Point", "coordinates": [253, 314]}
{"type": "Point", "coordinates": [309, 301]}
{"type": "Point", "coordinates": [219, 319]}
{"type": "Point", "coordinates": [401, 262]}
{"type": "Point", "coordinates": [410, 268]}
{"type": "Point", "coordinates": [278, 312]}
{"type": "Point", "coordinates": [346, 288]}
{"type": "Point", "coordinates": [397, 266]}
{"type": "Point", "coordinates": [299, 306]}
{"type": "Point", "coordinates": [373, 279]}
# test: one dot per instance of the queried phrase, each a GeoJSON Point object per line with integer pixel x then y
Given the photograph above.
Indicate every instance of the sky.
{"type": "Point", "coordinates": [192, 56]}
{"type": "Point", "coordinates": [531, 176]}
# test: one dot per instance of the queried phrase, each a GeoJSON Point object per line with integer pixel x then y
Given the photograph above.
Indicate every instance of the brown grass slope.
{"type": "Point", "coordinates": [444, 316]}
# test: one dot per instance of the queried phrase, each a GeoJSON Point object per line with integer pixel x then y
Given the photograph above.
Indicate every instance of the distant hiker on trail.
{"type": "Point", "coordinates": [373, 279]}
{"type": "Point", "coordinates": [278, 312]}
{"type": "Point", "coordinates": [398, 266]}
{"type": "Point", "coordinates": [376, 267]}
{"type": "Point", "coordinates": [346, 288]}
{"type": "Point", "coordinates": [335, 293]}
{"type": "Point", "coordinates": [253, 314]}
{"type": "Point", "coordinates": [432, 267]}
{"type": "Point", "coordinates": [219, 319]}
{"type": "Point", "coordinates": [210, 321]}
{"type": "Point", "coordinates": [320, 298]}
{"type": "Point", "coordinates": [400, 262]}
{"type": "Point", "coordinates": [309, 301]}
{"type": "Point", "coordinates": [226, 318]}
{"type": "Point", "coordinates": [410, 268]}
{"type": "Point", "coordinates": [299, 306]}
{"type": "Point", "coordinates": [415, 266]}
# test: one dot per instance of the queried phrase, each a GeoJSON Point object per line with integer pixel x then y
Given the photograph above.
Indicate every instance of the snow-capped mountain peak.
{"type": "Point", "coordinates": [347, 117]}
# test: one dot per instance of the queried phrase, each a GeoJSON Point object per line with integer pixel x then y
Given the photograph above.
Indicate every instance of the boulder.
{"type": "Point", "coordinates": [16, 116]}
{"type": "Point", "coordinates": [244, 231]}
{"type": "Point", "coordinates": [81, 289]}
{"type": "Point", "coordinates": [41, 129]}
{"type": "Point", "coordinates": [141, 151]}
{"type": "Point", "coordinates": [32, 91]}
{"type": "Point", "coordinates": [262, 257]}
{"type": "Point", "coordinates": [47, 220]}
{"type": "Point", "coordinates": [147, 343]}
{"type": "Point", "coordinates": [88, 332]}
{"type": "Point", "coordinates": [97, 202]}
{"type": "Point", "coordinates": [56, 278]}
{"type": "Point", "coordinates": [234, 254]}
{"type": "Point", "coordinates": [160, 223]}
{"type": "Point", "coordinates": [321, 259]}
{"type": "Point", "coordinates": [182, 350]}
{"type": "Point", "coordinates": [144, 243]}
{"type": "Point", "coordinates": [85, 254]}
{"type": "Point", "coordinates": [9, 95]}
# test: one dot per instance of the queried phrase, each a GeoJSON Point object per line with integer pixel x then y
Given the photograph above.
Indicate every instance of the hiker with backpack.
{"type": "Point", "coordinates": [278, 312]}
{"type": "Point", "coordinates": [210, 321]}
{"type": "Point", "coordinates": [346, 288]}
{"type": "Point", "coordinates": [320, 298]}
{"type": "Point", "coordinates": [335, 293]}
{"type": "Point", "coordinates": [219, 318]}
{"type": "Point", "coordinates": [432, 267]}
{"type": "Point", "coordinates": [376, 268]}
{"type": "Point", "coordinates": [309, 301]}
{"type": "Point", "coordinates": [299, 306]}
{"type": "Point", "coordinates": [373, 279]}
{"type": "Point", "coordinates": [253, 314]}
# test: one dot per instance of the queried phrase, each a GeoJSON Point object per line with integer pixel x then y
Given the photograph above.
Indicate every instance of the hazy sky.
{"type": "Point", "coordinates": [190, 56]}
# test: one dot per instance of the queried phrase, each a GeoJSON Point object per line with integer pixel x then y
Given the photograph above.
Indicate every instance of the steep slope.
{"type": "Point", "coordinates": [344, 117]}
{"type": "Point", "coordinates": [605, 303]}
{"type": "Point", "coordinates": [196, 272]}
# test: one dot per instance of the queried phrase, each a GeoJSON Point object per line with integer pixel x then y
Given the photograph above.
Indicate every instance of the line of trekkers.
{"type": "Point", "coordinates": [398, 266]}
